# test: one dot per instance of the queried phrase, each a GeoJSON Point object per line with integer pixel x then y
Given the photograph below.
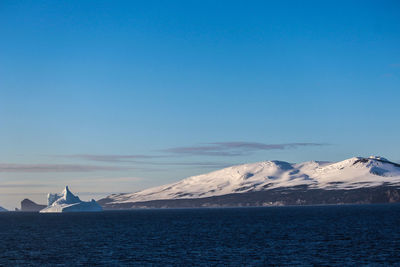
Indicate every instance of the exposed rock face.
{"type": "Point", "coordinates": [29, 205]}
{"type": "Point", "coordinates": [275, 197]}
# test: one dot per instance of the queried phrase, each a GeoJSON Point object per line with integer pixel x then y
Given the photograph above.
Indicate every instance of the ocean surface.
{"type": "Point", "coordinates": [314, 235]}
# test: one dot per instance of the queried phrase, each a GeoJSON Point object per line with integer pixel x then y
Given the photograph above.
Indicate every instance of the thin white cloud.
{"type": "Point", "coordinates": [234, 148]}
{"type": "Point", "coordinates": [109, 158]}
{"type": "Point", "coordinates": [15, 167]}
{"type": "Point", "coordinates": [133, 159]}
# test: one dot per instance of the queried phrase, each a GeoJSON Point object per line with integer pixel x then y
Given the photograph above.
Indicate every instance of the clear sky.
{"type": "Point", "coordinates": [117, 96]}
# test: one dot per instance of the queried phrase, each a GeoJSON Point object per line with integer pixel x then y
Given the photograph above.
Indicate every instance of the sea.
{"type": "Point", "coordinates": [296, 236]}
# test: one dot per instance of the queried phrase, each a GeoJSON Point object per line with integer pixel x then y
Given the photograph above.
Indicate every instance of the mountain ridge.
{"type": "Point", "coordinates": [350, 174]}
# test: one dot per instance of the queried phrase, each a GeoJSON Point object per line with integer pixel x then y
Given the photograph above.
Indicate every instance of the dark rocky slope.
{"type": "Point", "coordinates": [275, 197]}
{"type": "Point", "coordinates": [29, 205]}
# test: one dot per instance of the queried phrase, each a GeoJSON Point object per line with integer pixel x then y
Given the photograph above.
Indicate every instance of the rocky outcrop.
{"type": "Point", "coordinates": [29, 205]}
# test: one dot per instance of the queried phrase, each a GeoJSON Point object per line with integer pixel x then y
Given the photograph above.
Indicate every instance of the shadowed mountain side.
{"type": "Point", "coordinates": [300, 195]}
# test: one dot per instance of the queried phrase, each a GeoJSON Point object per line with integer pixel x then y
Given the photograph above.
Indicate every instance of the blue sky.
{"type": "Point", "coordinates": [111, 96]}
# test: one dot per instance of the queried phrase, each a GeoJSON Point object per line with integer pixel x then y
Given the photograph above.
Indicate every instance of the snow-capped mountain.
{"type": "Point", "coordinates": [350, 174]}
{"type": "Point", "coordinates": [68, 202]}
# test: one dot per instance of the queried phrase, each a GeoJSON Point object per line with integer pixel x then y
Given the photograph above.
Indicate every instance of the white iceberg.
{"type": "Point", "coordinates": [68, 202]}
{"type": "Point", "coordinates": [2, 209]}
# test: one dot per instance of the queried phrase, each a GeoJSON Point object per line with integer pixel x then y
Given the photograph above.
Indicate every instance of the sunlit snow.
{"type": "Point", "coordinates": [352, 173]}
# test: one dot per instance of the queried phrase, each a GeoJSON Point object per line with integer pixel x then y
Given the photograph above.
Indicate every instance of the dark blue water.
{"type": "Point", "coordinates": [323, 235]}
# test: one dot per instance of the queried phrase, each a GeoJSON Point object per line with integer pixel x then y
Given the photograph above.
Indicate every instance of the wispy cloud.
{"type": "Point", "coordinates": [200, 164]}
{"type": "Point", "coordinates": [141, 160]}
{"type": "Point", "coordinates": [80, 181]}
{"type": "Point", "coordinates": [22, 185]}
{"type": "Point", "coordinates": [230, 149]}
{"type": "Point", "coordinates": [108, 179]}
{"type": "Point", "coordinates": [12, 167]}
{"type": "Point", "coordinates": [234, 148]}
{"type": "Point", "coordinates": [110, 158]}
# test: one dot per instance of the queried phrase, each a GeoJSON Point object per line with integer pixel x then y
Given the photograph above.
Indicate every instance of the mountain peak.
{"type": "Point", "coordinates": [379, 158]}
{"type": "Point", "coordinates": [66, 193]}
{"type": "Point", "coordinates": [374, 161]}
